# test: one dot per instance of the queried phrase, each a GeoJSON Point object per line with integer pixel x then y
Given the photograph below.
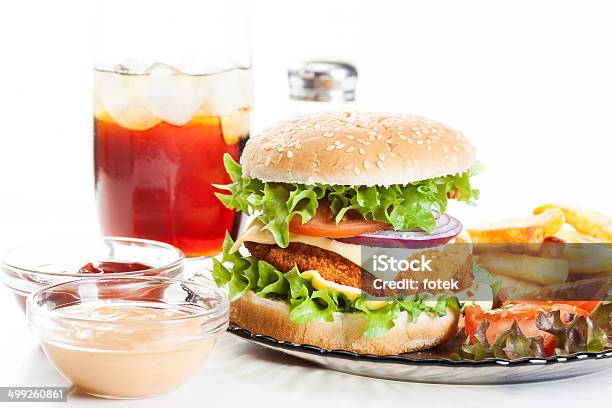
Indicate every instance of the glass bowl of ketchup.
{"type": "Point", "coordinates": [30, 267]}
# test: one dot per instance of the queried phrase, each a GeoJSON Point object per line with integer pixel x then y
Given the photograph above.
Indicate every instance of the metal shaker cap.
{"type": "Point", "coordinates": [323, 81]}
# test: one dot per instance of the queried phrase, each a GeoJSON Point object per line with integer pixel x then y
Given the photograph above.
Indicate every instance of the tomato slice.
{"type": "Point", "coordinates": [589, 292]}
{"type": "Point", "coordinates": [580, 305]}
{"type": "Point", "coordinates": [324, 225]}
{"type": "Point", "coordinates": [524, 314]}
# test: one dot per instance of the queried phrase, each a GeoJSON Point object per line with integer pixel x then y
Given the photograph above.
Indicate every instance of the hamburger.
{"type": "Point", "coordinates": [321, 188]}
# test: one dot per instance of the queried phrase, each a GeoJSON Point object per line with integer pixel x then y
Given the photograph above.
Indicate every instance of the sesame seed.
{"type": "Point", "coordinates": [371, 137]}
{"type": "Point", "coordinates": [312, 165]}
{"type": "Point", "coordinates": [379, 164]}
{"type": "Point", "coordinates": [267, 161]}
{"type": "Point", "coordinates": [419, 142]}
{"type": "Point", "coordinates": [402, 136]}
{"type": "Point", "coordinates": [336, 142]}
{"type": "Point", "coordinates": [340, 146]}
{"type": "Point", "coordinates": [388, 148]}
{"type": "Point", "coordinates": [361, 150]}
{"type": "Point", "coordinates": [350, 149]}
{"type": "Point", "coordinates": [328, 134]}
{"type": "Point", "coordinates": [393, 154]}
{"type": "Point", "coordinates": [289, 154]}
{"type": "Point", "coordinates": [389, 141]}
{"type": "Point", "coordinates": [280, 150]}
{"type": "Point", "coordinates": [357, 171]}
{"type": "Point", "coordinates": [350, 137]}
{"type": "Point", "coordinates": [381, 156]}
{"type": "Point", "coordinates": [366, 164]}
{"type": "Point", "coordinates": [330, 147]}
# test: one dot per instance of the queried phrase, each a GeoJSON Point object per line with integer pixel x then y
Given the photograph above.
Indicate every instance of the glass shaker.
{"type": "Point", "coordinates": [320, 86]}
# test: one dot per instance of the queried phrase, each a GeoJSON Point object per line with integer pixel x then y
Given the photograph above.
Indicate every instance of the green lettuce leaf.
{"type": "Point", "coordinates": [307, 304]}
{"type": "Point", "coordinates": [602, 316]}
{"type": "Point", "coordinates": [510, 345]}
{"type": "Point", "coordinates": [579, 334]}
{"type": "Point", "coordinates": [481, 275]}
{"type": "Point", "coordinates": [380, 320]}
{"type": "Point", "coordinates": [405, 207]}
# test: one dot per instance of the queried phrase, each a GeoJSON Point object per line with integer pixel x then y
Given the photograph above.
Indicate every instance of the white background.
{"type": "Point", "coordinates": [527, 81]}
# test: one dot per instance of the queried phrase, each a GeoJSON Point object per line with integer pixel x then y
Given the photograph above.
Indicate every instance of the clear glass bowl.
{"type": "Point", "coordinates": [128, 337]}
{"type": "Point", "coordinates": [30, 267]}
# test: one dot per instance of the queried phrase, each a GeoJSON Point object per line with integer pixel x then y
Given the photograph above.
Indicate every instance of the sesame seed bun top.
{"type": "Point", "coordinates": [356, 148]}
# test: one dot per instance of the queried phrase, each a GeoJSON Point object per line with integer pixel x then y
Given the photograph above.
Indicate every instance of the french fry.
{"type": "Point", "coordinates": [572, 236]}
{"type": "Point", "coordinates": [552, 247]}
{"type": "Point", "coordinates": [510, 287]}
{"type": "Point", "coordinates": [524, 230]}
{"type": "Point", "coordinates": [541, 271]}
{"type": "Point", "coordinates": [588, 258]}
{"type": "Point", "coordinates": [533, 249]}
{"type": "Point", "coordinates": [588, 222]}
{"type": "Point", "coordinates": [580, 276]}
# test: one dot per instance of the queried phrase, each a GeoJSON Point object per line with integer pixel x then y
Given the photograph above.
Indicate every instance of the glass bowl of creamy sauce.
{"type": "Point", "coordinates": [128, 337]}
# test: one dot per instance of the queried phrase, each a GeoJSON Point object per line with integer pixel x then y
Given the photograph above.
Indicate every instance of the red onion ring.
{"type": "Point", "coordinates": [447, 227]}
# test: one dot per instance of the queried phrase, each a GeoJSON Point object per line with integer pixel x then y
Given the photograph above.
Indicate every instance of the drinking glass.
{"type": "Point", "coordinates": [172, 95]}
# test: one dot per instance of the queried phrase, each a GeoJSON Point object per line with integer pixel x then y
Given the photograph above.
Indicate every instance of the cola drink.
{"type": "Point", "coordinates": [160, 134]}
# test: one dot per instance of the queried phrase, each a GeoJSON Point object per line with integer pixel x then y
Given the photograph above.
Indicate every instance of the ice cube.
{"type": "Point", "coordinates": [225, 93]}
{"type": "Point", "coordinates": [135, 65]}
{"type": "Point", "coordinates": [235, 126]}
{"type": "Point", "coordinates": [161, 68]}
{"type": "Point", "coordinates": [171, 95]}
{"type": "Point", "coordinates": [119, 97]}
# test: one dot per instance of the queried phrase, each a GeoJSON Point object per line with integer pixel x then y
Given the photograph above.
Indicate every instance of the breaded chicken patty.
{"type": "Point", "coordinates": [330, 265]}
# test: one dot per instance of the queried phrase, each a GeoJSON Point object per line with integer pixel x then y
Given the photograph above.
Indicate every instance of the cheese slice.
{"type": "Point", "coordinates": [320, 283]}
{"type": "Point", "coordinates": [351, 293]}
{"type": "Point", "coordinates": [255, 232]}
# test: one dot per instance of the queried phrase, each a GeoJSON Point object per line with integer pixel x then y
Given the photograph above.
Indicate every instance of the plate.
{"type": "Point", "coordinates": [432, 367]}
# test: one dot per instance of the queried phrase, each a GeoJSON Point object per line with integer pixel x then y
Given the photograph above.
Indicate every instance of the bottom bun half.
{"type": "Point", "coordinates": [271, 318]}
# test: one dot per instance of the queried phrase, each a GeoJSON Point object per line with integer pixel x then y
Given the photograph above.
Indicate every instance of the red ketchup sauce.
{"type": "Point", "coordinates": [113, 267]}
